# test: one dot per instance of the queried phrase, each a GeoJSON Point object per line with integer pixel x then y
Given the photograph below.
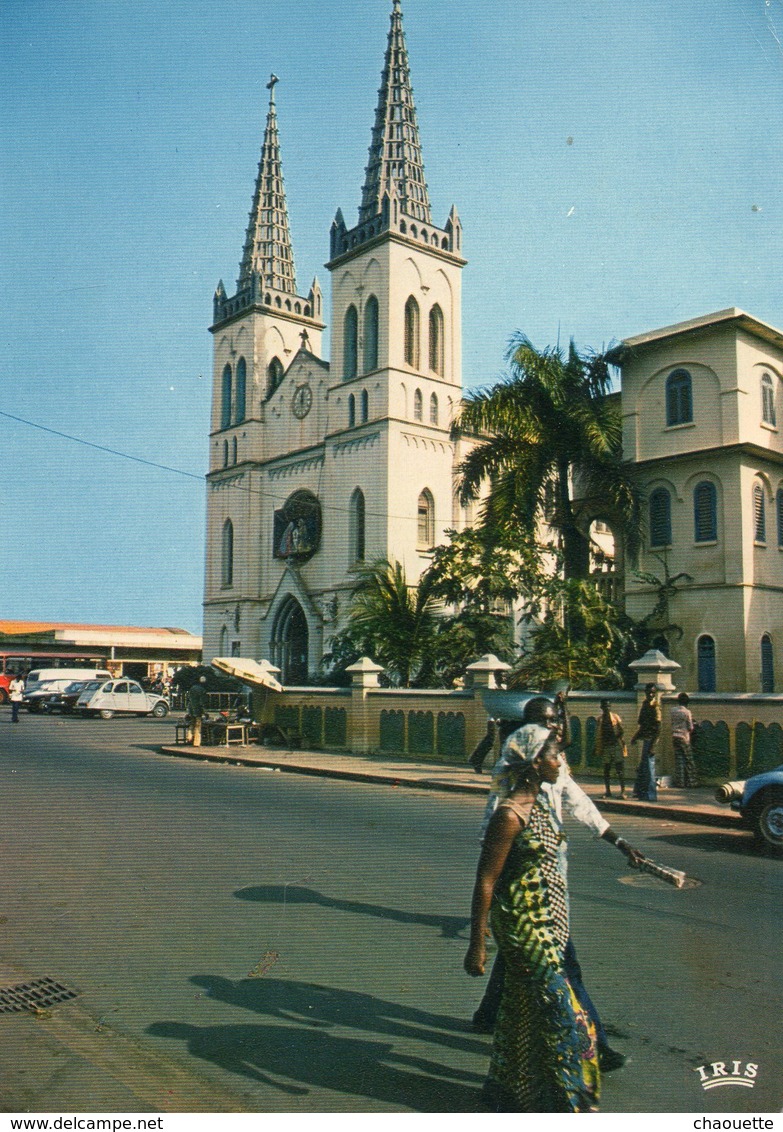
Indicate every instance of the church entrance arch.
{"type": "Point", "coordinates": [291, 642]}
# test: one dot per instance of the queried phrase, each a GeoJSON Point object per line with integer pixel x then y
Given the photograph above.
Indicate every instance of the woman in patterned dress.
{"type": "Point", "coordinates": [544, 1057]}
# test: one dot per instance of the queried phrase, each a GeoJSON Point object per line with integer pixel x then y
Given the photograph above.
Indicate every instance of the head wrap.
{"type": "Point", "coordinates": [519, 749]}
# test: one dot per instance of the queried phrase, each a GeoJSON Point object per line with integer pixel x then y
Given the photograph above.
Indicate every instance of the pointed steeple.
{"type": "Point", "coordinates": [395, 151]}
{"type": "Point", "coordinates": [267, 254]}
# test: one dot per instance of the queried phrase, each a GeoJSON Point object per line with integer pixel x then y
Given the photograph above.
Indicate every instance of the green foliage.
{"type": "Point", "coordinates": [658, 622]}
{"type": "Point", "coordinates": [550, 423]}
{"type": "Point", "coordinates": [393, 623]}
{"type": "Point", "coordinates": [577, 638]}
{"type": "Point", "coordinates": [481, 567]}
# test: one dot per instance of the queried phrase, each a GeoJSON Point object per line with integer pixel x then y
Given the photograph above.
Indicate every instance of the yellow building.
{"type": "Point", "coordinates": [702, 408]}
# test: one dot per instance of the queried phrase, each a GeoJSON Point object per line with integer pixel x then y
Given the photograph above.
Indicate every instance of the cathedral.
{"type": "Point", "coordinates": [316, 466]}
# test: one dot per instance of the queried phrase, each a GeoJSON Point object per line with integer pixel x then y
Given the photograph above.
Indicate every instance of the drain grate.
{"type": "Point", "coordinates": [33, 996]}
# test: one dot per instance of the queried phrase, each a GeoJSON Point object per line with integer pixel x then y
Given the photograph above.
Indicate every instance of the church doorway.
{"type": "Point", "coordinates": [290, 642]}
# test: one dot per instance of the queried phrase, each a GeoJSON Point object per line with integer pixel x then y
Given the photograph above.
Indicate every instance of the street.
{"type": "Point", "coordinates": [244, 940]}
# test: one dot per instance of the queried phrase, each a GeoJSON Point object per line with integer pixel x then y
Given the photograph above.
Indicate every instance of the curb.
{"type": "Point", "coordinates": [659, 810]}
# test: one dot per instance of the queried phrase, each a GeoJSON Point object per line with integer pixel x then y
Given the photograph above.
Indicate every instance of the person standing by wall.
{"type": "Point", "coordinates": [610, 748]}
{"type": "Point", "coordinates": [648, 731]}
{"type": "Point", "coordinates": [197, 701]}
{"type": "Point", "coordinates": [483, 747]}
{"type": "Point", "coordinates": [16, 694]}
{"type": "Point", "coordinates": [685, 773]}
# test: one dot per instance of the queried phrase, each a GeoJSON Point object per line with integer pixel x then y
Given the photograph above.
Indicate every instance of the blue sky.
{"type": "Point", "coordinates": [616, 166]}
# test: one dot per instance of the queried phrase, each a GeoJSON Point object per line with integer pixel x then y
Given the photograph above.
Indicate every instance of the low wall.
{"type": "Point", "coordinates": [738, 735]}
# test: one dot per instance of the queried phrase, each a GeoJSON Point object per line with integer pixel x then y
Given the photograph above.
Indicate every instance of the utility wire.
{"type": "Point", "coordinates": [190, 475]}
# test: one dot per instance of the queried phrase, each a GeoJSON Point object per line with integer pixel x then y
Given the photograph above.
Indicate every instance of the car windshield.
{"type": "Point", "coordinates": [75, 686]}
{"type": "Point", "coordinates": [91, 685]}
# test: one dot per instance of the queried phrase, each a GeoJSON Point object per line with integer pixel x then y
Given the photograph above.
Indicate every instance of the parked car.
{"type": "Point", "coordinates": [44, 682]}
{"type": "Point", "coordinates": [65, 700]}
{"type": "Point", "coordinates": [759, 802]}
{"type": "Point", "coordinates": [115, 697]}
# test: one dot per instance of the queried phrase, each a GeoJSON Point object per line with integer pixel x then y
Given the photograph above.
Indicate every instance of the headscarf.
{"type": "Point", "coordinates": [521, 747]}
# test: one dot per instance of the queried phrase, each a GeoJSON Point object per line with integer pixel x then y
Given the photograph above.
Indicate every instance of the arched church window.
{"type": "Point", "coordinates": [436, 340]}
{"type": "Point", "coordinates": [274, 375]}
{"type": "Point", "coordinates": [759, 514]}
{"type": "Point", "coordinates": [768, 400]}
{"type": "Point", "coordinates": [767, 664]}
{"type": "Point", "coordinates": [227, 558]}
{"type": "Point", "coordinates": [418, 406]}
{"type": "Point", "coordinates": [705, 664]}
{"type": "Point", "coordinates": [365, 401]}
{"type": "Point", "coordinates": [425, 534]}
{"type": "Point", "coordinates": [225, 453]}
{"type": "Point", "coordinates": [234, 450]}
{"type": "Point", "coordinates": [705, 512]}
{"type": "Point", "coordinates": [350, 343]}
{"type": "Point", "coordinates": [351, 411]}
{"type": "Point", "coordinates": [679, 397]}
{"type": "Point", "coordinates": [412, 333]}
{"type": "Point", "coordinates": [434, 409]}
{"type": "Point", "coordinates": [239, 406]}
{"type": "Point", "coordinates": [371, 334]}
{"type": "Point", "coordinates": [660, 517]}
{"type": "Point", "coordinates": [225, 400]}
{"type": "Point", "coordinates": [357, 524]}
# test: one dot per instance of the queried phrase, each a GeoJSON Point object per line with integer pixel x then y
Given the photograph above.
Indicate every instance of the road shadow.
{"type": "Point", "coordinates": [450, 927]}
{"type": "Point", "coordinates": [326, 1007]}
{"type": "Point", "coordinates": [296, 1059]}
{"type": "Point", "coordinates": [712, 841]}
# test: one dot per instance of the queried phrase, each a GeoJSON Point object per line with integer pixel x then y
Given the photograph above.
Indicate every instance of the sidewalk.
{"type": "Point", "coordinates": [694, 805]}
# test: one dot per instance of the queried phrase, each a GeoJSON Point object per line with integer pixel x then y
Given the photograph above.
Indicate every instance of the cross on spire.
{"type": "Point", "coordinates": [267, 253]}
{"type": "Point", "coordinates": [395, 159]}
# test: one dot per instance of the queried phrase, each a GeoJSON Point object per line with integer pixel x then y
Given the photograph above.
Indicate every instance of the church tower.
{"type": "Point", "coordinates": [316, 467]}
{"type": "Point", "coordinates": [257, 333]}
{"type": "Point", "coordinates": [396, 334]}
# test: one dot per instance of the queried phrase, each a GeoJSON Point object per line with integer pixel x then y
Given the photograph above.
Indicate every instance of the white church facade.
{"type": "Point", "coordinates": [315, 466]}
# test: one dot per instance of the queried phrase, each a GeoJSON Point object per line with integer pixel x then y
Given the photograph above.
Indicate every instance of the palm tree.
{"type": "Point", "coordinates": [391, 621]}
{"type": "Point", "coordinates": [550, 443]}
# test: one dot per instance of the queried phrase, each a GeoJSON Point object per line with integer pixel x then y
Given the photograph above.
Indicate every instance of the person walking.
{"type": "Point", "coordinates": [564, 793]}
{"type": "Point", "coordinates": [196, 701]}
{"type": "Point", "coordinates": [483, 747]}
{"type": "Point", "coordinates": [16, 695]}
{"type": "Point", "coordinates": [648, 731]}
{"type": "Point", "coordinates": [545, 1053]}
{"type": "Point", "coordinates": [610, 748]}
{"type": "Point", "coordinates": [685, 773]}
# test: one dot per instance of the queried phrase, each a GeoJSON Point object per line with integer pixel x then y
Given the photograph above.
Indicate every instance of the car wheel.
{"type": "Point", "coordinates": [33, 707]}
{"type": "Point", "coordinates": [160, 710]}
{"type": "Point", "coordinates": [106, 713]}
{"type": "Point", "coordinates": [769, 823]}
{"type": "Point", "coordinates": [3, 696]}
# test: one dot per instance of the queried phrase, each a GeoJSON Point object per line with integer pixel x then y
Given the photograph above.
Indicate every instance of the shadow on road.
{"type": "Point", "coordinates": [451, 927]}
{"type": "Point", "coordinates": [300, 1054]}
{"type": "Point", "coordinates": [314, 1005]}
{"type": "Point", "coordinates": [714, 841]}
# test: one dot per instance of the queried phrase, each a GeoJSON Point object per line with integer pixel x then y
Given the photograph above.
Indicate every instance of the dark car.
{"type": "Point", "coordinates": [65, 699]}
{"type": "Point", "coordinates": [759, 802]}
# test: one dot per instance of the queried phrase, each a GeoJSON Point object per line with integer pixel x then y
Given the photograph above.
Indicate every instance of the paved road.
{"type": "Point", "coordinates": [245, 940]}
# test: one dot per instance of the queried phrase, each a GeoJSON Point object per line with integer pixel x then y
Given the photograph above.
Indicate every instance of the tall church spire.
{"type": "Point", "coordinates": [267, 254]}
{"type": "Point", "coordinates": [395, 165]}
